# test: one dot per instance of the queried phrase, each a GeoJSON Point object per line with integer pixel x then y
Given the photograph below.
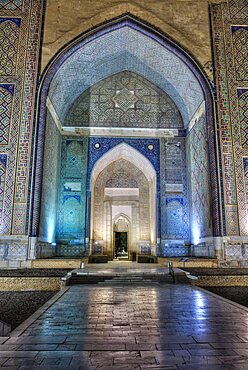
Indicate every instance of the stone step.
{"type": "Point", "coordinates": [130, 279]}
{"type": "Point", "coordinates": [122, 278]}
{"type": "Point", "coordinates": [126, 282]}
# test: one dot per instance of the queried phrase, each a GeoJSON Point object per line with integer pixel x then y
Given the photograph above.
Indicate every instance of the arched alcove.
{"type": "Point", "coordinates": [126, 46]}
{"type": "Point", "coordinates": [123, 181]}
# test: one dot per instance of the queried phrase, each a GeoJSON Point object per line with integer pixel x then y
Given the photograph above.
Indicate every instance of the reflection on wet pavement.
{"type": "Point", "coordinates": [132, 327]}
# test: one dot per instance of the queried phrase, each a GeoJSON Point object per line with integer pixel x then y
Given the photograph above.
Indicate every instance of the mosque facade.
{"type": "Point", "coordinates": [123, 129]}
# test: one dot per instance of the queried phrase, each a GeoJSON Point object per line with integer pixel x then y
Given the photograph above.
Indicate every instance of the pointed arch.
{"type": "Point", "coordinates": [133, 156]}
{"type": "Point", "coordinates": [165, 43]}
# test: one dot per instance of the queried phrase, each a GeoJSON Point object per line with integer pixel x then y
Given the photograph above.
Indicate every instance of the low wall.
{"type": "Point", "coordinates": [180, 263]}
{"type": "Point", "coordinates": [30, 283]}
{"type": "Point", "coordinates": [57, 263]}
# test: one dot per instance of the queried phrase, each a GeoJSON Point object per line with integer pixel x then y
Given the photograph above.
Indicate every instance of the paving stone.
{"type": "Point", "coordinates": [132, 327]}
{"type": "Point", "coordinates": [3, 339]}
{"type": "Point", "coordinates": [29, 339]}
{"type": "Point", "coordinates": [15, 361]}
{"type": "Point", "coordinates": [213, 352]}
{"type": "Point", "coordinates": [9, 347]}
{"type": "Point", "coordinates": [3, 359]}
{"type": "Point", "coordinates": [20, 354]}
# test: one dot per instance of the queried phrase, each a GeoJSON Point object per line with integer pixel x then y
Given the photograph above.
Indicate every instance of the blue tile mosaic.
{"type": "Point", "coordinates": [72, 190]}
{"type": "Point", "coordinates": [139, 144]}
{"type": "Point", "coordinates": [17, 21]}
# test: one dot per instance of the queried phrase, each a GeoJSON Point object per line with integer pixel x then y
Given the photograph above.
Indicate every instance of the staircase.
{"type": "Point", "coordinates": [78, 277]}
{"type": "Point", "coordinates": [130, 280]}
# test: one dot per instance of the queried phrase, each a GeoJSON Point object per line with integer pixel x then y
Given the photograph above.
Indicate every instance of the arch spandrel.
{"type": "Point", "coordinates": [197, 43]}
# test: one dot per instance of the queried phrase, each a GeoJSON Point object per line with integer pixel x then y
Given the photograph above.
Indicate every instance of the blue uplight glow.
{"type": "Point", "coordinates": [195, 233]}
{"type": "Point", "coordinates": [51, 232]}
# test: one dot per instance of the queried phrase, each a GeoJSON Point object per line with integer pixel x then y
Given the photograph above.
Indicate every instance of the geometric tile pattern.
{"type": "Point", "coordinates": [11, 4]}
{"type": "Point", "coordinates": [9, 35]}
{"type": "Point", "coordinates": [173, 250]}
{"type": "Point", "coordinates": [72, 189]}
{"type": "Point", "coordinates": [246, 179]}
{"type": "Point", "coordinates": [124, 100]}
{"type": "Point", "coordinates": [3, 163]}
{"type": "Point", "coordinates": [238, 9]}
{"type": "Point", "coordinates": [243, 115]}
{"type": "Point", "coordinates": [19, 47]}
{"type": "Point", "coordinates": [31, 29]}
{"type": "Point", "coordinates": [16, 251]}
{"type": "Point", "coordinates": [121, 179]}
{"type": "Point", "coordinates": [201, 224]}
{"type": "Point", "coordinates": [19, 211]}
{"type": "Point", "coordinates": [108, 143]}
{"type": "Point", "coordinates": [240, 42]}
{"type": "Point", "coordinates": [70, 250]}
{"type": "Point", "coordinates": [173, 162]}
{"type": "Point", "coordinates": [116, 51]}
{"type": "Point", "coordinates": [5, 113]}
{"type": "Point", "coordinates": [174, 207]}
{"type": "Point", "coordinates": [229, 138]}
{"type": "Point", "coordinates": [174, 218]}
{"type": "Point", "coordinates": [230, 43]}
{"type": "Point", "coordinates": [50, 183]}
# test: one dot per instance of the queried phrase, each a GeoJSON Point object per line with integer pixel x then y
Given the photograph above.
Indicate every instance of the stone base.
{"type": "Point", "coordinates": [44, 250]}
{"type": "Point", "coordinates": [235, 249]}
{"type": "Point", "coordinates": [20, 251]}
{"type": "Point", "coordinates": [98, 258]}
{"type": "Point", "coordinates": [59, 263]}
{"type": "Point", "coordinates": [14, 252]}
{"type": "Point", "coordinates": [174, 249]}
{"type": "Point", "coordinates": [178, 248]}
{"type": "Point", "coordinates": [67, 250]}
{"type": "Point", "coordinates": [203, 250]}
{"type": "Point", "coordinates": [15, 264]}
{"type": "Point", "coordinates": [144, 258]}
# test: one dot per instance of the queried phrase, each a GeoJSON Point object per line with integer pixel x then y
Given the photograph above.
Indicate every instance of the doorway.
{"type": "Point", "coordinates": [121, 245]}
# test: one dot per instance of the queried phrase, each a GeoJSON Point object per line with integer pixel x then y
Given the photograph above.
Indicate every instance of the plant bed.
{"type": "Point", "coordinates": [238, 294]}
{"type": "Point", "coordinates": [216, 271]}
{"type": "Point", "coordinates": [15, 307]}
{"type": "Point", "coordinates": [34, 272]}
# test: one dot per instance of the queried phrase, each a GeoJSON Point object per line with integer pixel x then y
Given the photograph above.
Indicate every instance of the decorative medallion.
{"type": "Point", "coordinates": [97, 145]}
{"type": "Point", "coordinates": [125, 99]}
{"type": "Point", "coordinates": [150, 147]}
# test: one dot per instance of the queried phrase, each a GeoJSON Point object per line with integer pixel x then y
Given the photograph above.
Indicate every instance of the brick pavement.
{"type": "Point", "coordinates": [132, 327]}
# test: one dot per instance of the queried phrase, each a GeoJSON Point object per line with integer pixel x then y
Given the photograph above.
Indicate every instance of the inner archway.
{"type": "Point", "coordinates": [123, 182]}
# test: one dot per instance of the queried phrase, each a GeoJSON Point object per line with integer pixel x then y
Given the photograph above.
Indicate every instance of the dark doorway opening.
{"type": "Point", "coordinates": [121, 247]}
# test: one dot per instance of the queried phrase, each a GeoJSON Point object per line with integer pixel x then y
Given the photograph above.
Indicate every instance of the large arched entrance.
{"type": "Point", "coordinates": [125, 85]}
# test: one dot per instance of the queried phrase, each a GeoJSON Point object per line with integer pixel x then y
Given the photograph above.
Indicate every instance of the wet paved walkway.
{"type": "Point", "coordinates": [132, 327]}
